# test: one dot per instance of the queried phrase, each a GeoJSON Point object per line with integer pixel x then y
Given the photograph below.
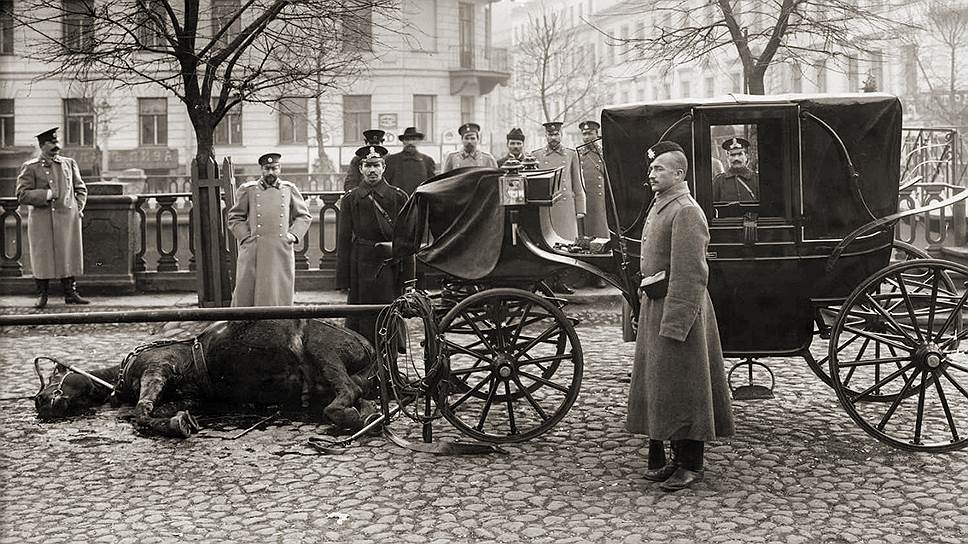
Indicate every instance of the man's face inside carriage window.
{"type": "Point", "coordinates": [738, 158]}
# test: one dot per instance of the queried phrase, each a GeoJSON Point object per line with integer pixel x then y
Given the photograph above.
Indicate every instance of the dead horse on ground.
{"type": "Point", "coordinates": [296, 364]}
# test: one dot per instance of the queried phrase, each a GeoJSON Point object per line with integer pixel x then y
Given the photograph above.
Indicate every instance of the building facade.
{"type": "Point", "coordinates": [432, 68]}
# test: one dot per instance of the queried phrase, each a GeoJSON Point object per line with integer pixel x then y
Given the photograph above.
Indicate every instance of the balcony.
{"type": "Point", "coordinates": [478, 71]}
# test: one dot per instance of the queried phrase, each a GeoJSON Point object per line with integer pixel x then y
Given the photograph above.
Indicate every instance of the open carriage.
{"type": "Point", "coordinates": [810, 256]}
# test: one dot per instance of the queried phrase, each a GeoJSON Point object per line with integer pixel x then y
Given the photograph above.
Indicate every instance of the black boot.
{"type": "Point", "coordinates": [70, 292]}
{"type": "Point", "coordinates": [43, 287]}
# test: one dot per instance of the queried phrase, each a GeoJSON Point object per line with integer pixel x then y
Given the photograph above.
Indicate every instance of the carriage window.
{"type": "Point", "coordinates": [746, 169]}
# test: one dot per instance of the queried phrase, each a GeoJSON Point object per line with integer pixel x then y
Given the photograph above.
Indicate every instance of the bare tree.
{"type": "Point", "coordinates": [213, 55]}
{"type": "Point", "coordinates": [945, 31]}
{"type": "Point", "coordinates": [763, 33]}
{"type": "Point", "coordinates": [561, 77]}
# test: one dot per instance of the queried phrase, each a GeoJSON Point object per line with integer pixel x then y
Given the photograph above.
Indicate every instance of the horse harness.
{"type": "Point", "coordinates": [198, 366]}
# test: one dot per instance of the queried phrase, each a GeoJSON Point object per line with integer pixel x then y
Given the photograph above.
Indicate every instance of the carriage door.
{"type": "Point", "coordinates": [747, 168]}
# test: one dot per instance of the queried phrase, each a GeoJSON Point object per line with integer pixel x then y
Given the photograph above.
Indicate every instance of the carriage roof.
{"type": "Point", "coordinates": [868, 124]}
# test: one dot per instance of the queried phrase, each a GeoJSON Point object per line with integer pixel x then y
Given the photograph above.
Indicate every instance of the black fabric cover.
{"type": "Point", "coordinates": [461, 212]}
{"type": "Point", "coordinates": [869, 124]}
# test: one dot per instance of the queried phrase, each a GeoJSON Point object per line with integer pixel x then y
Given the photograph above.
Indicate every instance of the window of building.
{"type": "Point", "coordinates": [151, 33]}
{"type": "Point", "coordinates": [422, 16]}
{"type": "Point", "coordinates": [6, 27]}
{"type": "Point", "coordinates": [909, 58]}
{"type": "Point", "coordinates": [423, 114]}
{"type": "Point", "coordinates": [229, 129]}
{"type": "Point", "coordinates": [466, 109]}
{"type": "Point", "coordinates": [294, 120]}
{"type": "Point", "coordinates": [356, 117]}
{"type": "Point", "coordinates": [78, 122]}
{"type": "Point", "coordinates": [465, 21]}
{"type": "Point", "coordinates": [153, 120]}
{"type": "Point", "coordinates": [737, 81]}
{"type": "Point", "coordinates": [487, 31]}
{"type": "Point", "coordinates": [853, 75]}
{"type": "Point", "coordinates": [685, 88]}
{"type": "Point", "coordinates": [709, 86]}
{"type": "Point", "coordinates": [79, 25]}
{"type": "Point", "coordinates": [6, 122]}
{"type": "Point", "coordinates": [222, 13]}
{"type": "Point", "coordinates": [796, 78]}
{"type": "Point", "coordinates": [877, 69]}
{"type": "Point", "coordinates": [820, 70]}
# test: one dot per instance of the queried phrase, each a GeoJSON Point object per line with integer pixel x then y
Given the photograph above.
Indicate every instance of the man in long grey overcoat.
{"type": "Point", "coordinates": [52, 187]}
{"type": "Point", "coordinates": [678, 390]}
{"type": "Point", "coordinates": [268, 219]}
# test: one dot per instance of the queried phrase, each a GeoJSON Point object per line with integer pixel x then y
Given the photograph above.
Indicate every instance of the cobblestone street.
{"type": "Point", "coordinates": [797, 471]}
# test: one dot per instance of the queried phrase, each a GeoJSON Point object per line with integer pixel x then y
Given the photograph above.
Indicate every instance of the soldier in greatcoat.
{"type": "Point", "coordinates": [469, 155]}
{"type": "Point", "coordinates": [593, 181]}
{"type": "Point", "coordinates": [515, 147]}
{"type": "Point", "coordinates": [678, 391]}
{"type": "Point", "coordinates": [52, 188]}
{"type": "Point", "coordinates": [364, 235]}
{"type": "Point", "coordinates": [374, 136]}
{"type": "Point", "coordinates": [409, 168]}
{"type": "Point", "coordinates": [269, 217]}
{"type": "Point", "coordinates": [739, 183]}
{"type": "Point", "coordinates": [570, 207]}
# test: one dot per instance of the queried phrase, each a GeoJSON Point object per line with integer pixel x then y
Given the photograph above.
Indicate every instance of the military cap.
{"type": "Point", "coordinates": [374, 136]}
{"type": "Point", "coordinates": [588, 125]}
{"type": "Point", "coordinates": [47, 136]}
{"type": "Point", "coordinates": [411, 133]}
{"type": "Point", "coordinates": [469, 127]}
{"type": "Point", "coordinates": [269, 159]}
{"type": "Point", "coordinates": [664, 146]}
{"type": "Point", "coordinates": [552, 126]}
{"type": "Point", "coordinates": [736, 143]}
{"type": "Point", "coordinates": [371, 152]}
{"type": "Point", "coordinates": [516, 134]}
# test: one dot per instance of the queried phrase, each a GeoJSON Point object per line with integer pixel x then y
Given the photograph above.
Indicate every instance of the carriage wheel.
{"type": "Point", "coordinates": [908, 320]}
{"type": "Point", "coordinates": [515, 365]}
{"type": "Point", "coordinates": [827, 315]}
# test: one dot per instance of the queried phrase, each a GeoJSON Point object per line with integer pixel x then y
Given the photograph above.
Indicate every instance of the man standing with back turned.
{"type": "Point", "coordinates": [678, 391]}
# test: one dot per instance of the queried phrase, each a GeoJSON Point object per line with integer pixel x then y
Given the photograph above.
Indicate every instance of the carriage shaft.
{"type": "Point", "coordinates": [194, 314]}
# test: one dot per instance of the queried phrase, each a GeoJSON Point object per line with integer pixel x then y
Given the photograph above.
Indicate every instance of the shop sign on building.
{"type": "Point", "coordinates": [143, 157]}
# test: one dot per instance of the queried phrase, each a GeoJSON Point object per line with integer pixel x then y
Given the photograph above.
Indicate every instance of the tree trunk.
{"type": "Point", "coordinates": [205, 150]}
{"type": "Point", "coordinates": [755, 83]}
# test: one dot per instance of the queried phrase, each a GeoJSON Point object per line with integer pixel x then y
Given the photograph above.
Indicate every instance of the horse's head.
{"type": "Point", "coordinates": [66, 394]}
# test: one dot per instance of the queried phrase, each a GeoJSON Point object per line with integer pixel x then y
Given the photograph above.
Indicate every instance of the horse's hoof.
{"type": "Point", "coordinates": [192, 422]}
{"type": "Point", "coordinates": [181, 424]}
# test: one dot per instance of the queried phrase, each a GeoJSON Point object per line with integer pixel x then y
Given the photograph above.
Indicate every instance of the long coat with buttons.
{"type": "Point", "coordinates": [593, 182]}
{"type": "Point", "coordinates": [678, 389]}
{"type": "Point", "coordinates": [360, 265]}
{"type": "Point", "coordinates": [53, 227]}
{"type": "Point", "coordinates": [261, 221]}
{"type": "Point", "coordinates": [572, 200]}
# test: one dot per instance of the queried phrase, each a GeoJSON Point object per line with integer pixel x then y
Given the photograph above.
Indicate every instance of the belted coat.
{"type": "Point", "coordinates": [572, 200]}
{"type": "Point", "coordinates": [360, 265]}
{"type": "Point", "coordinates": [593, 182]}
{"type": "Point", "coordinates": [53, 227]}
{"type": "Point", "coordinates": [261, 220]}
{"type": "Point", "coordinates": [678, 388]}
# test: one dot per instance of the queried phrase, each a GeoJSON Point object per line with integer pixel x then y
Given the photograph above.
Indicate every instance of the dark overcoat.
{"type": "Point", "coordinates": [736, 185]}
{"type": "Point", "coordinates": [678, 389]}
{"type": "Point", "coordinates": [572, 199]}
{"type": "Point", "coordinates": [53, 227]}
{"type": "Point", "coordinates": [593, 182]}
{"type": "Point", "coordinates": [407, 170]}
{"type": "Point", "coordinates": [360, 263]}
{"type": "Point", "coordinates": [261, 220]}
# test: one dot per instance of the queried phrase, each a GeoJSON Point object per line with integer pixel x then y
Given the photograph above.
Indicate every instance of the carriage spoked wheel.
{"type": "Point", "coordinates": [826, 316]}
{"type": "Point", "coordinates": [515, 365]}
{"type": "Point", "coordinates": [906, 324]}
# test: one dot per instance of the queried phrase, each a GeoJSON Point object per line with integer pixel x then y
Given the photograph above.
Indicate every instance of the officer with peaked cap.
{"type": "Point", "coordinates": [52, 188]}
{"type": "Point", "coordinates": [678, 392]}
{"type": "Point", "coordinates": [409, 168]}
{"type": "Point", "coordinates": [373, 136]}
{"type": "Point", "coordinates": [739, 183]}
{"type": "Point", "coordinates": [269, 218]}
{"type": "Point", "coordinates": [469, 155]}
{"type": "Point", "coordinates": [567, 210]}
{"type": "Point", "coordinates": [593, 180]}
{"type": "Point", "coordinates": [515, 147]}
{"type": "Point", "coordinates": [366, 219]}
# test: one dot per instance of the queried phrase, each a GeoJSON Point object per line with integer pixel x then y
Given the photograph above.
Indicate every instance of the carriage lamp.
{"type": "Point", "coordinates": [511, 184]}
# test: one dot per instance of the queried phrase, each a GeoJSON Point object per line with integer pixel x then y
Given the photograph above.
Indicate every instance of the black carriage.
{"type": "Point", "coordinates": [810, 256]}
